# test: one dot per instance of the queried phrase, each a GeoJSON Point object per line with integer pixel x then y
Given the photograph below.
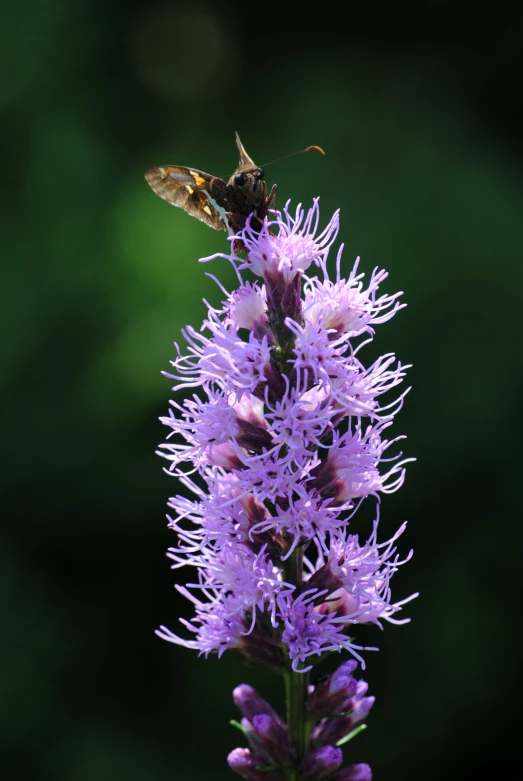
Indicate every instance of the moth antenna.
{"type": "Point", "coordinates": [312, 148]}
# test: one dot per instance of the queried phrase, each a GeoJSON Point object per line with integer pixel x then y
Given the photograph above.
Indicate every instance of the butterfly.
{"type": "Point", "coordinates": [221, 205]}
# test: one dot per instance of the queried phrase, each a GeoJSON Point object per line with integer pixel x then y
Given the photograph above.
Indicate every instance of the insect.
{"type": "Point", "coordinates": [221, 205]}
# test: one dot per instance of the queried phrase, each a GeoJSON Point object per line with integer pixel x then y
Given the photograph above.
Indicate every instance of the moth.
{"type": "Point", "coordinates": [221, 205]}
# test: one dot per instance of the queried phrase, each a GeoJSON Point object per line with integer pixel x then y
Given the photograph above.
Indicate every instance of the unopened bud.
{"type": "Point", "coordinates": [251, 767]}
{"type": "Point", "coordinates": [359, 772]}
{"type": "Point", "coordinates": [252, 704]}
{"type": "Point", "coordinates": [329, 695]}
{"type": "Point", "coordinates": [275, 740]}
{"type": "Point", "coordinates": [262, 647]}
{"type": "Point", "coordinates": [320, 763]}
{"type": "Point", "coordinates": [330, 730]}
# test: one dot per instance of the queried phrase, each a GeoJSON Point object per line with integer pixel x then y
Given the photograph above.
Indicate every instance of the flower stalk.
{"type": "Point", "coordinates": [283, 428]}
{"type": "Point", "coordinates": [296, 683]}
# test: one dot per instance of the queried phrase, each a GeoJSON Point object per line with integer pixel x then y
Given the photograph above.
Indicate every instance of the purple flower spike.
{"type": "Point", "coordinates": [288, 436]}
{"type": "Point", "coordinates": [359, 772]}
{"type": "Point", "coordinates": [320, 764]}
{"type": "Point", "coordinates": [278, 433]}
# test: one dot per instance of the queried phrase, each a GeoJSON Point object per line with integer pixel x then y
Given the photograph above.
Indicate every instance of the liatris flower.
{"type": "Point", "coordinates": [284, 438]}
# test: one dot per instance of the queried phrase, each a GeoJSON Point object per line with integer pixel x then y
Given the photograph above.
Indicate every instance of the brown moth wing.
{"type": "Point", "coordinates": [198, 193]}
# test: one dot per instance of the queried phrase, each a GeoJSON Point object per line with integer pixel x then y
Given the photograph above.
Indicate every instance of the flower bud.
{"type": "Point", "coordinates": [255, 743]}
{"type": "Point", "coordinates": [324, 478]}
{"type": "Point", "coordinates": [361, 710]}
{"type": "Point", "coordinates": [331, 730]}
{"type": "Point", "coordinates": [330, 694]}
{"type": "Point", "coordinates": [261, 646]}
{"type": "Point", "coordinates": [252, 704]}
{"type": "Point", "coordinates": [253, 437]}
{"type": "Point", "coordinates": [320, 763]}
{"type": "Point", "coordinates": [248, 765]}
{"type": "Point", "coordinates": [274, 382]}
{"type": "Point", "coordinates": [359, 772]}
{"type": "Point", "coordinates": [324, 580]}
{"type": "Point", "coordinates": [275, 740]}
{"type": "Point", "coordinates": [262, 330]}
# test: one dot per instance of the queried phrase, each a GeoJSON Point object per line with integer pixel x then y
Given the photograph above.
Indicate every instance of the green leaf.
{"type": "Point", "coordinates": [237, 724]}
{"type": "Point", "coordinates": [351, 735]}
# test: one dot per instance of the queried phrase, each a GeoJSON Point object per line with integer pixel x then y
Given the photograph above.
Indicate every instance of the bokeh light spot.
{"type": "Point", "coordinates": [179, 55]}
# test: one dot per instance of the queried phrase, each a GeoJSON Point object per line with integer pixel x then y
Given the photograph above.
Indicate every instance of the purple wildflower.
{"type": "Point", "coordinates": [280, 436]}
{"type": "Point", "coordinates": [287, 246]}
{"type": "Point", "coordinates": [286, 450]}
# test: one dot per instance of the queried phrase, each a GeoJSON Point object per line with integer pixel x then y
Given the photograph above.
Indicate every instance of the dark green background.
{"type": "Point", "coordinates": [417, 108]}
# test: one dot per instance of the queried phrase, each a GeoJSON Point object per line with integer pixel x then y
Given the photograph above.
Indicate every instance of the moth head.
{"type": "Point", "coordinates": [248, 174]}
{"type": "Point", "coordinates": [252, 175]}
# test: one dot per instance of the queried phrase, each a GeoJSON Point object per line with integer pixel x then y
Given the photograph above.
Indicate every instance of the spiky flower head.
{"type": "Point", "coordinates": [282, 433]}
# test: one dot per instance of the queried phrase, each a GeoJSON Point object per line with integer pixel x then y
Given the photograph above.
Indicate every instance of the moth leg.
{"type": "Point", "coordinates": [270, 202]}
{"type": "Point", "coordinates": [271, 198]}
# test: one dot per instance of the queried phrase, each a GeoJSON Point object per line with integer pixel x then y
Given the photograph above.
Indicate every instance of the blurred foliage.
{"type": "Point", "coordinates": [418, 109]}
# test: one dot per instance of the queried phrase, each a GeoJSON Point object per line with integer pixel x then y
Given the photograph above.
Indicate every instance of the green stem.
{"type": "Point", "coordinates": [296, 692]}
{"type": "Point", "coordinates": [284, 300]}
{"type": "Point", "coordinates": [296, 683]}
